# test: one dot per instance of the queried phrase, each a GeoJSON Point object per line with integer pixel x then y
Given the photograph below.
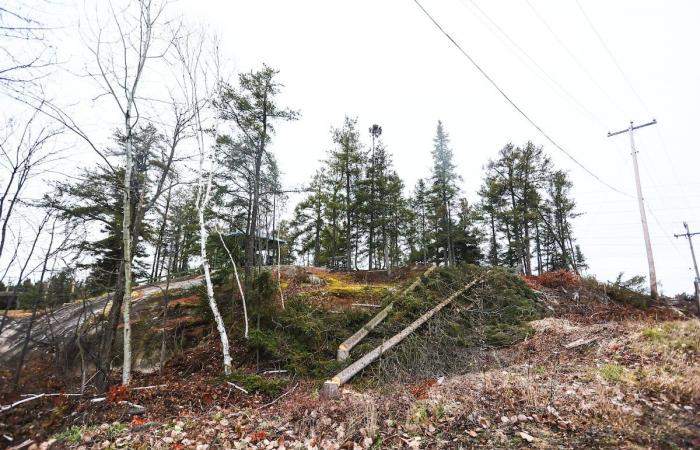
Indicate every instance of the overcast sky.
{"type": "Point", "coordinates": [384, 62]}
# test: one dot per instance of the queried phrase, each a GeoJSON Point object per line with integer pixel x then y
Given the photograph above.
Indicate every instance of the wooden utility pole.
{"type": "Point", "coordinates": [640, 200]}
{"type": "Point", "coordinates": [690, 235]}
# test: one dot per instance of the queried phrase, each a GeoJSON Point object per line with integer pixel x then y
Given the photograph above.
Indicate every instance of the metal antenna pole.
{"type": "Point", "coordinates": [640, 200]}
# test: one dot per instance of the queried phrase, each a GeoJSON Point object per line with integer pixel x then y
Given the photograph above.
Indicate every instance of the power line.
{"type": "Point", "coordinates": [666, 233]}
{"type": "Point", "coordinates": [631, 86]}
{"type": "Point", "coordinates": [512, 103]}
{"type": "Point", "coordinates": [593, 117]}
{"type": "Point", "coordinates": [574, 58]}
{"type": "Point", "coordinates": [673, 168]}
{"type": "Point", "coordinates": [535, 63]}
{"type": "Point", "coordinates": [612, 57]}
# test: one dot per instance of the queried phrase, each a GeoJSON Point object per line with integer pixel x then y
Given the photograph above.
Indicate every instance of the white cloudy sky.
{"type": "Point", "coordinates": [384, 62]}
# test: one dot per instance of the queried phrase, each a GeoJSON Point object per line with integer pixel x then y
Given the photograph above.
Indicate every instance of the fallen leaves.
{"type": "Point", "coordinates": [420, 391]}
{"type": "Point", "coordinates": [117, 394]}
{"type": "Point", "coordinates": [137, 421]}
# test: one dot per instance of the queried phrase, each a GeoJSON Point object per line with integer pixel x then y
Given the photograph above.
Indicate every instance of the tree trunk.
{"type": "Point", "coordinates": [238, 281]}
{"type": "Point", "coordinates": [349, 343]}
{"type": "Point", "coordinates": [494, 245]}
{"type": "Point", "coordinates": [161, 233]}
{"type": "Point", "coordinates": [126, 253]}
{"type": "Point", "coordinates": [450, 249]}
{"type": "Point", "coordinates": [203, 201]}
{"type": "Point", "coordinates": [331, 387]}
{"type": "Point", "coordinates": [35, 304]}
{"type": "Point", "coordinates": [250, 261]}
{"type": "Point", "coordinates": [163, 345]}
{"type": "Point", "coordinates": [348, 231]}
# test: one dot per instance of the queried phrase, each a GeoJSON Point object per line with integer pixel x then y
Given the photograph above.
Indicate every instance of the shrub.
{"type": "Point", "coordinates": [630, 291]}
{"type": "Point", "coordinates": [556, 279]}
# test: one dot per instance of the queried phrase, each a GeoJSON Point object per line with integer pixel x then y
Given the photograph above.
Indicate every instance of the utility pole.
{"type": "Point", "coordinates": [690, 235]}
{"type": "Point", "coordinates": [640, 200]}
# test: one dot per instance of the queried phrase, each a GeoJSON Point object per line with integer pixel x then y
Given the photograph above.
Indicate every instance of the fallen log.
{"type": "Point", "coordinates": [331, 388]}
{"type": "Point", "coordinates": [349, 343]}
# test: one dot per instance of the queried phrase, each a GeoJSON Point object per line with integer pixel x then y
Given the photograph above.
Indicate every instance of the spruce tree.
{"type": "Point", "coordinates": [443, 191]}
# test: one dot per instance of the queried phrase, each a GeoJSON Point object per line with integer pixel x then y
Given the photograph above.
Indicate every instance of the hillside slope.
{"type": "Point", "coordinates": [590, 372]}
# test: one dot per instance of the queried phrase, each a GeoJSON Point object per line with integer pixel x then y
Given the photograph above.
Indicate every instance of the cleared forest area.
{"type": "Point", "coordinates": [549, 360]}
{"type": "Point", "coordinates": [288, 225]}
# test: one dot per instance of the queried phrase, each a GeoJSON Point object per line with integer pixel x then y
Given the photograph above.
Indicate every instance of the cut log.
{"type": "Point", "coordinates": [331, 388]}
{"type": "Point", "coordinates": [349, 343]}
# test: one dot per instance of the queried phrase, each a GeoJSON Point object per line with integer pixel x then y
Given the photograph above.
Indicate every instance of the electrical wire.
{"type": "Point", "coordinates": [621, 154]}
{"type": "Point", "coordinates": [574, 58]}
{"type": "Point", "coordinates": [514, 43]}
{"type": "Point", "coordinates": [514, 105]}
{"type": "Point", "coordinates": [632, 88]}
{"type": "Point", "coordinates": [612, 57]}
{"type": "Point", "coordinates": [666, 233]}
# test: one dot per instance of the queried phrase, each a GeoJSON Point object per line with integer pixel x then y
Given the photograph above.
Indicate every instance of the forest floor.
{"type": "Point", "coordinates": [592, 374]}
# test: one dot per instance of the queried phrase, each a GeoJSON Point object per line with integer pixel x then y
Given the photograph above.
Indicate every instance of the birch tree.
{"type": "Point", "coordinates": [26, 51]}
{"type": "Point", "coordinates": [124, 43]}
{"type": "Point", "coordinates": [196, 92]}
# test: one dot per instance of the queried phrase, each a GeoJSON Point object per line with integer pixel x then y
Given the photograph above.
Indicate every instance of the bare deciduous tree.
{"type": "Point", "coordinates": [197, 94]}
{"type": "Point", "coordinates": [25, 50]}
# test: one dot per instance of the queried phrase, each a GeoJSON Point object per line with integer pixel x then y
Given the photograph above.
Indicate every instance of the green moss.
{"type": "Point", "coordinates": [74, 434]}
{"type": "Point", "coordinates": [255, 383]}
{"type": "Point", "coordinates": [493, 313]}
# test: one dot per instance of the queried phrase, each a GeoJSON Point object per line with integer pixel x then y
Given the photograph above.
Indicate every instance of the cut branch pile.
{"type": "Point", "coordinates": [352, 341]}
{"type": "Point", "coordinates": [331, 387]}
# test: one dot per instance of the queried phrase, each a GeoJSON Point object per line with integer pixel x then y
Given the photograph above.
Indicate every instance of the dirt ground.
{"type": "Point", "coordinates": [595, 374]}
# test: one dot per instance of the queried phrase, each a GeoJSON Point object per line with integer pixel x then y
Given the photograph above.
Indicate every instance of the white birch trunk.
{"type": "Point", "coordinates": [204, 191]}
{"type": "Point", "coordinates": [126, 239]}
{"type": "Point", "coordinates": [238, 281]}
{"type": "Point", "coordinates": [189, 54]}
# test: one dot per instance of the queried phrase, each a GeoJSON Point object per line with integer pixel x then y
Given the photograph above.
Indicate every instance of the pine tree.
{"type": "Point", "coordinates": [420, 205]}
{"type": "Point", "coordinates": [560, 208]}
{"type": "Point", "coordinates": [252, 107]}
{"type": "Point", "coordinates": [346, 161]}
{"type": "Point", "coordinates": [525, 202]}
{"type": "Point", "coordinates": [308, 222]}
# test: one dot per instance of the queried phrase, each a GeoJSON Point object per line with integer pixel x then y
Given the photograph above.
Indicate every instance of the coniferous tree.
{"type": "Point", "coordinates": [346, 161]}
{"type": "Point", "coordinates": [253, 109]}
{"type": "Point", "coordinates": [526, 206]}
{"type": "Point", "coordinates": [420, 205]}
{"type": "Point", "coordinates": [444, 189]}
{"type": "Point", "coordinates": [307, 225]}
